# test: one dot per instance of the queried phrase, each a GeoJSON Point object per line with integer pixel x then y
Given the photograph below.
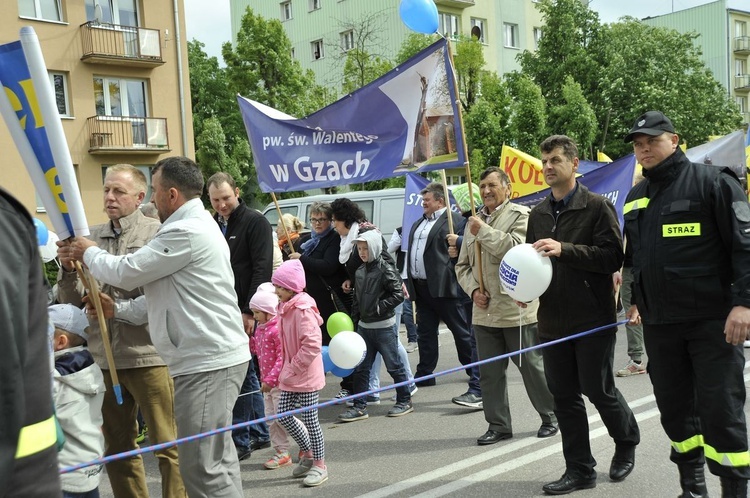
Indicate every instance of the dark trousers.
{"type": "Point", "coordinates": [584, 366]}
{"type": "Point", "coordinates": [700, 391]}
{"type": "Point", "coordinates": [249, 407]}
{"type": "Point", "coordinates": [430, 310]}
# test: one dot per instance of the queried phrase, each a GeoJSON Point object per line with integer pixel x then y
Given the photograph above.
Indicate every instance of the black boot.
{"type": "Point", "coordinates": [733, 487]}
{"type": "Point", "coordinates": [692, 481]}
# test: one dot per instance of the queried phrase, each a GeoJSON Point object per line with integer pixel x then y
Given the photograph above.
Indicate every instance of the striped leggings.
{"type": "Point", "coordinates": [307, 433]}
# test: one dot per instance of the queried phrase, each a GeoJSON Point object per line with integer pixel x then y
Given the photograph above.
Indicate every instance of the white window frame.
{"type": "Point", "coordinates": [37, 5]}
{"type": "Point", "coordinates": [286, 11]}
{"type": "Point", "coordinates": [124, 103]}
{"type": "Point", "coordinates": [450, 25]}
{"type": "Point", "coordinates": [482, 24]}
{"type": "Point", "coordinates": [66, 93]}
{"type": "Point", "coordinates": [510, 35]}
{"type": "Point", "coordinates": [740, 66]}
{"type": "Point", "coordinates": [741, 102]}
{"type": "Point", "coordinates": [316, 48]}
{"type": "Point", "coordinates": [740, 28]}
{"type": "Point", "coordinates": [114, 8]}
{"type": "Point", "coordinates": [314, 5]}
{"type": "Point", "coordinates": [538, 33]}
{"type": "Point", "coordinates": [347, 40]}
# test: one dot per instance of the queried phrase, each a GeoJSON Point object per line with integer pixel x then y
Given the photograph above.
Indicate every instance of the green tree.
{"type": "Point", "coordinates": [528, 114]}
{"type": "Point", "coordinates": [574, 117]}
{"type": "Point", "coordinates": [412, 45]}
{"type": "Point", "coordinates": [361, 68]}
{"type": "Point", "coordinates": [486, 123]}
{"type": "Point", "coordinates": [469, 61]}
{"type": "Point", "coordinates": [209, 92]}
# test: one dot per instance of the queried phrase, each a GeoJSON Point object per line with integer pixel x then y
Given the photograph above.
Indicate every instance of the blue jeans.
{"type": "Point", "coordinates": [408, 317]}
{"type": "Point", "coordinates": [384, 341]}
{"type": "Point", "coordinates": [94, 493]}
{"type": "Point", "coordinates": [249, 407]}
{"type": "Point", "coordinates": [374, 382]}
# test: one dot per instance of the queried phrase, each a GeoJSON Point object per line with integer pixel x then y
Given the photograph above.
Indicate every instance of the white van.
{"type": "Point", "coordinates": [383, 208]}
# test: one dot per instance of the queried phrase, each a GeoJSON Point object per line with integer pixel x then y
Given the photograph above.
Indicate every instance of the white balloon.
{"type": "Point", "coordinates": [524, 273]}
{"type": "Point", "coordinates": [347, 349]}
{"type": "Point", "coordinates": [49, 250]}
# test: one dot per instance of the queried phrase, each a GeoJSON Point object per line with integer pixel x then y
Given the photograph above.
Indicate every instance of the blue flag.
{"type": "Point", "coordinates": [405, 121]}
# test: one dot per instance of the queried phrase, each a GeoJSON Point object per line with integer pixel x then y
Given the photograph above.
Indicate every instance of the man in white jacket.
{"type": "Point", "coordinates": [194, 320]}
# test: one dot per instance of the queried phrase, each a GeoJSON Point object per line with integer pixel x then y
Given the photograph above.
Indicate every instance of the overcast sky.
{"type": "Point", "coordinates": [208, 20]}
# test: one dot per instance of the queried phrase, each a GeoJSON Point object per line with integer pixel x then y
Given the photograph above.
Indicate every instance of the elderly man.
{"type": "Point", "coordinates": [689, 228]}
{"type": "Point", "coordinates": [499, 226]}
{"type": "Point", "coordinates": [194, 320]}
{"type": "Point", "coordinates": [143, 375]}
{"type": "Point", "coordinates": [433, 286]}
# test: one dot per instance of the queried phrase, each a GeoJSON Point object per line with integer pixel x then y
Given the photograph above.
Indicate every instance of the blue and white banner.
{"type": "Point", "coordinates": [405, 121]}
{"type": "Point", "coordinates": [612, 180]}
{"type": "Point", "coordinates": [27, 103]}
{"type": "Point", "coordinates": [413, 209]}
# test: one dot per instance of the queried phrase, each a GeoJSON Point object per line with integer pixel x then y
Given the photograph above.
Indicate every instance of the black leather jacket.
{"type": "Point", "coordinates": [689, 228]}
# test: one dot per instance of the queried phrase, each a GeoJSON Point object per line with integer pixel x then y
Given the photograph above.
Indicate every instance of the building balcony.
{"type": "Point", "coordinates": [742, 83]}
{"type": "Point", "coordinates": [461, 4]}
{"type": "Point", "coordinates": [127, 134]}
{"type": "Point", "coordinates": [742, 45]}
{"type": "Point", "coordinates": [105, 43]}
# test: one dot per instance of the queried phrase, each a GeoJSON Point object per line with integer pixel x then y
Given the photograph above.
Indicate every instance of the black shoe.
{"type": "Point", "coordinates": [569, 483]}
{"type": "Point", "coordinates": [732, 487]}
{"type": "Point", "coordinates": [692, 481]}
{"type": "Point", "coordinates": [243, 453]}
{"type": "Point", "coordinates": [492, 437]}
{"type": "Point", "coordinates": [547, 430]}
{"type": "Point", "coordinates": [426, 382]}
{"type": "Point", "coordinates": [622, 463]}
{"type": "Point", "coordinates": [256, 444]}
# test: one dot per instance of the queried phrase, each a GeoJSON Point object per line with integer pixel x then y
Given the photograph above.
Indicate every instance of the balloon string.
{"type": "Point", "coordinates": [520, 339]}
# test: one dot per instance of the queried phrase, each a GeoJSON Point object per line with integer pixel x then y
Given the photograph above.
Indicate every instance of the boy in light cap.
{"type": "Point", "coordinates": [78, 393]}
{"type": "Point", "coordinates": [265, 344]}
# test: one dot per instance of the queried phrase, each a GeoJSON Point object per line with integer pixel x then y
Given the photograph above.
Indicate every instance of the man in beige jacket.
{"type": "Point", "coordinates": [143, 375]}
{"type": "Point", "coordinates": [497, 227]}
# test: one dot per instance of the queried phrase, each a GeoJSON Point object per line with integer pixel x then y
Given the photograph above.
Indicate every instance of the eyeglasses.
{"type": "Point", "coordinates": [318, 220]}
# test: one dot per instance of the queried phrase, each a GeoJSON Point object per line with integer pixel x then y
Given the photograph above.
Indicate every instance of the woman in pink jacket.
{"type": "Point", "coordinates": [302, 375]}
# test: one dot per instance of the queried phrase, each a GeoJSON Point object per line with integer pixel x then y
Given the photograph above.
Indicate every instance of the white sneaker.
{"type": "Point", "coordinates": [746, 344]}
{"type": "Point", "coordinates": [632, 368]}
{"type": "Point", "coordinates": [315, 476]}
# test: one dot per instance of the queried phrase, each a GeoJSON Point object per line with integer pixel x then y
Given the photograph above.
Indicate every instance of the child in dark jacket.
{"type": "Point", "coordinates": [377, 292]}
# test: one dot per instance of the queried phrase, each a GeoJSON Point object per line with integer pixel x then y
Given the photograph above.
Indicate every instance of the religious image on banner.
{"type": "Point", "coordinates": [404, 121]}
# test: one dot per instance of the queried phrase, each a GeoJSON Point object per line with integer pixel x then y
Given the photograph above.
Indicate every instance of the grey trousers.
{"type": "Point", "coordinates": [493, 341]}
{"type": "Point", "coordinates": [203, 402]}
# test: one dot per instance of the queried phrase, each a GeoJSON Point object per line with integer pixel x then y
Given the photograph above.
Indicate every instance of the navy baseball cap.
{"type": "Point", "coordinates": [652, 123]}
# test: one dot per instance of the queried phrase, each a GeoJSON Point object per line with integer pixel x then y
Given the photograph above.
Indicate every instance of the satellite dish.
{"type": "Point", "coordinates": [98, 12]}
{"type": "Point", "coordinates": [476, 32]}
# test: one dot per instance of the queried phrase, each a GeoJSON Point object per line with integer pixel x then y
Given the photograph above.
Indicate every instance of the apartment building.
{"type": "Point", "coordinates": [322, 31]}
{"type": "Point", "coordinates": [119, 69]}
{"type": "Point", "coordinates": [724, 40]}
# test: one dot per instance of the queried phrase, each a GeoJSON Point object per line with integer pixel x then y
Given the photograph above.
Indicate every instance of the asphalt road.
{"type": "Point", "coordinates": [433, 452]}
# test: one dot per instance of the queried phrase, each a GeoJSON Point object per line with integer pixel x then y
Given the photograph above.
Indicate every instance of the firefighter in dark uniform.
{"type": "Point", "coordinates": [689, 228]}
{"type": "Point", "coordinates": [28, 453]}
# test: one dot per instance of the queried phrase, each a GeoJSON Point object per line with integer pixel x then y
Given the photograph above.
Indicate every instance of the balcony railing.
{"type": "Point", "coordinates": [461, 4]}
{"type": "Point", "coordinates": [118, 134]}
{"type": "Point", "coordinates": [742, 83]}
{"type": "Point", "coordinates": [105, 43]}
{"type": "Point", "coordinates": [742, 45]}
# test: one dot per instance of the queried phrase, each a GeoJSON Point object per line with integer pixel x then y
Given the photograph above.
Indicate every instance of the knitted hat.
{"type": "Point", "coordinates": [69, 318]}
{"type": "Point", "coordinates": [290, 275]}
{"type": "Point", "coordinates": [265, 301]}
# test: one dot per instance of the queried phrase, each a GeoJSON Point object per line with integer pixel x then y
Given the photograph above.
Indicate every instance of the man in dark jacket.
{"type": "Point", "coordinates": [377, 292]}
{"type": "Point", "coordinates": [579, 232]}
{"type": "Point", "coordinates": [432, 284]}
{"type": "Point", "coordinates": [689, 229]}
{"type": "Point", "coordinates": [250, 241]}
{"type": "Point", "coordinates": [28, 456]}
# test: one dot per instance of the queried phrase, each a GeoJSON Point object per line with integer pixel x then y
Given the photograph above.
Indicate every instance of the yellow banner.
{"type": "Point", "coordinates": [524, 170]}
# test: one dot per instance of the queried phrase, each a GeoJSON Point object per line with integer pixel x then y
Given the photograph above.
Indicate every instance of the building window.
{"type": "Point", "coordinates": [742, 104]}
{"type": "Point", "coordinates": [740, 28]}
{"type": "Point", "coordinates": [740, 67]}
{"type": "Point", "coordinates": [537, 37]}
{"type": "Point", "coordinates": [450, 25]}
{"type": "Point", "coordinates": [48, 10]}
{"type": "Point", "coordinates": [347, 40]}
{"type": "Point", "coordinates": [59, 83]}
{"type": "Point", "coordinates": [478, 29]}
{"type": "Point", "coordinates": [317, 49]}
{"type": "Point", "coordinates": [314, 4]}
{"type": "Point", "coordinates": [511, 35]}
{"type": "Point", "coordinates": [121, 12]}
{"type": "Point", "coordinates": [286, 11]}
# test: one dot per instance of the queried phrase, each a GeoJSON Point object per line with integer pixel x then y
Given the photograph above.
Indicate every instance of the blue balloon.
{"type": "Point", "coordinates": [419, 15]}
{"type": "Point", "coordinates": [42, 234]}
{"type": "Point", "coordinates": [328, 365]}
{"type": "Point", "coordinates": [341, 372]}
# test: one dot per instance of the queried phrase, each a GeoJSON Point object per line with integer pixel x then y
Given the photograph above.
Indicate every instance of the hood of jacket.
{"type": "Point", "coordinates": [374, 241]}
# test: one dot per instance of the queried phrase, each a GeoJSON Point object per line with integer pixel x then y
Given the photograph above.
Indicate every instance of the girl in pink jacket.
{"type": "Point", "coordinates": [265, 344]}
{"type": "Point", "coordinates": [302, 375]}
